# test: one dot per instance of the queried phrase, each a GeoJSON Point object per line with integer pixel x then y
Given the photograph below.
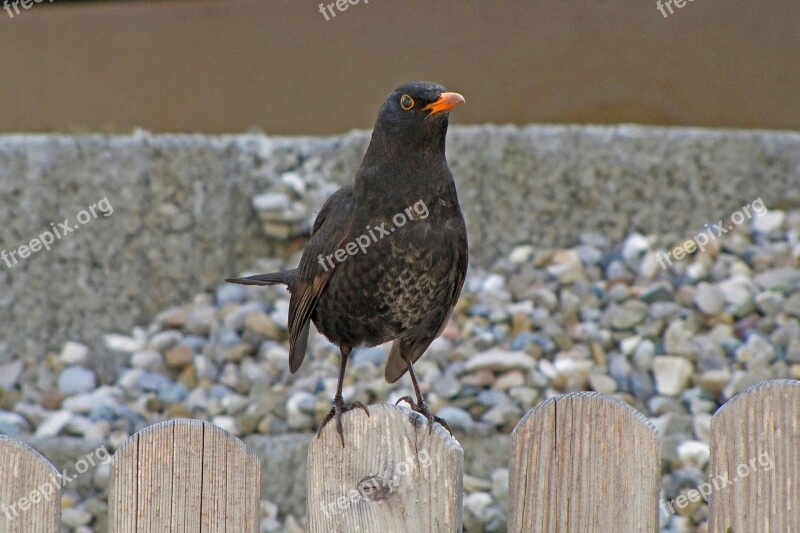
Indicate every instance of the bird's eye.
{"type": "Point", "coordinates": [406, 102]}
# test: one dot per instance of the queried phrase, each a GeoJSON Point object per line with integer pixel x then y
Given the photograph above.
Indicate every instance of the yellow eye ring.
{"type": "Point", "coordinates": [406, 102]}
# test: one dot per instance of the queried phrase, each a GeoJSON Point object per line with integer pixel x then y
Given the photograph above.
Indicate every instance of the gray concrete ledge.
{"type": "Point", "coordinates": [184, 218]}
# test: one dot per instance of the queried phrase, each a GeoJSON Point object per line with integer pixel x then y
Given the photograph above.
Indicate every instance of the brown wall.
{"type": "Point", "coordinates": [227, 66]}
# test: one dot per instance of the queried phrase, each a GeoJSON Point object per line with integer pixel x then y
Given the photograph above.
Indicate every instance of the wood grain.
{"type": "Point", "coordinates": [755, 460]}
{"type": "Point", "coordinates": [184, 476]}
{"type": "Point", "coordinates": [392, 475]}
{"type": "Point", "coordinates": [30, 490]}
{"type": "Point", "coordinates": [586, 463]}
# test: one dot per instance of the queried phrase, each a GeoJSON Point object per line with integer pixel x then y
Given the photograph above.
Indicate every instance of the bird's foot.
{"type": "Point", "coordinates": [422, 408]}
{"type": "Point", "coordinates": [337, 410]}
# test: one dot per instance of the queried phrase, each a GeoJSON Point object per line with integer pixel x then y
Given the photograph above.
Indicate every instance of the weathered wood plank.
{"type": "Point", "coordinates": [391, 476]}
{"type": "Point", "coordinates": [30, 490]}
{"type": "Point", "coordinates": [755, 460]}
{"type": "Point", "coordinates": [184, 475]}
{"type": "Point", "coordinates": [584, 462]}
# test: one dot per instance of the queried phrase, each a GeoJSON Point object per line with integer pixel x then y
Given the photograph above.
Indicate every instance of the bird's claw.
{"type": "Point", "coordinates": [422, 408]}
{"type": "Point", "coordinates": [337, 410]}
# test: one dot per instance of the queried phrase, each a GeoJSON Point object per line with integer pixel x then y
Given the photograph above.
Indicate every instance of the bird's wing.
{"type": "Point", "coordinates": [330, 232]}
{"type": "Point", "coordinates": [412, 347]}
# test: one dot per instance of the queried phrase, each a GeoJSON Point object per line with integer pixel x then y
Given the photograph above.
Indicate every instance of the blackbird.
{"type": "Point", "coordinates": [388, 254]}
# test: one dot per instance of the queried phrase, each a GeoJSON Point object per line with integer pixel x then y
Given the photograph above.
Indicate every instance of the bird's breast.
{"type": "Point", "coordinates": [399, 281]}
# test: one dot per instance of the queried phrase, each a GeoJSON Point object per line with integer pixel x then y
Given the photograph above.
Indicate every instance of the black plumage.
{"type": "Point", "coordinates": [402, 219]}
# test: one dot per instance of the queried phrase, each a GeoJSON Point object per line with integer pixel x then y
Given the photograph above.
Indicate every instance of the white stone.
{"type": "Point", "coordinates": [228, 423]}
{"type": "Point", "coordinates": [628, 344]}
{"type": "Point", "coordinates": [477, 503]}
{"type": "Point", "coordinates": [53, 424]}
{"type": "Point", "coordinates": [694, 453]}
{"type": "Point", "coordinates": [521, 254]}
{"type": "Point", "coordinates": [574, 371]}
{"type": "Point", "coordinates": [500, 361]}
{"type": "Point", "coordinates": [709, 299]}
{"type": "Point", "coordinates": [493, 282]}
{"type": "Point", "coordinates": [147, 360]}
{"type": "Point", "coordinates": [73, 518]}
{"type": "Point", "coordinates": [123, 343]}
{"type": "Point", "coordinates": [672, 374]}
{"type": "Point", "coordinates": [73, 353]}
{"type": "Point", "coordinates": [271, 201]}
{"type": "Point", "coordinates": [634, 247]}
{"type": "Point", "coordinates": [768, 222]}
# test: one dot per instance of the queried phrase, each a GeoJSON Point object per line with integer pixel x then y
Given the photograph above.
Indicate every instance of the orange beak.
{"type": "Point", "coordinates": [445, 102]}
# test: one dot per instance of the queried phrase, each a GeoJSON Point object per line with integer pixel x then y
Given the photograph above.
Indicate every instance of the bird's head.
{"type": "Point", "coordinates": [416, 114]}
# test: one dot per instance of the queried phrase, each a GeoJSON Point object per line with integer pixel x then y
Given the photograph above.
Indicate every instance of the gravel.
{"type": "Point", "coordinates": [675, 344]}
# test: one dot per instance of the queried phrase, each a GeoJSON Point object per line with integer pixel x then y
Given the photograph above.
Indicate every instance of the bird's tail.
{"type": "Point", "coordinates": [274, 278]}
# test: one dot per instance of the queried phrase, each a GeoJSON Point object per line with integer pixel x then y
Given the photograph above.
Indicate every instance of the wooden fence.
{"type": "Point", "coordinates": [581, 462]}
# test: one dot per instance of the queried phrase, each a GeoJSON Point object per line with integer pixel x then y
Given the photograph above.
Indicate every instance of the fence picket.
{"type": "Point", "coordinates": [409, 480]}
{"type": "Point", "coordinates": [755, 460]}
{"type": "Point", "coordinates": [584, 462]}
{"type": "Point", "coordinates": [579, 462]}
{"type": "Point", "coordinates": [184, 476]}
{"type": "Point", "coordinates": [30, 490]}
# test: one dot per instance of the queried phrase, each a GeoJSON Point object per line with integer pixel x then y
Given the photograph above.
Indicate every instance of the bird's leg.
{"type": "Point", "coordinates": [339, 407]}
{"type": "Point", "coordinates": [420, 406]}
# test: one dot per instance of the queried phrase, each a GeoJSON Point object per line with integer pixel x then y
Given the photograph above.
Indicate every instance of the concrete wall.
{"type": "Point", "coordinates": [184, 217]}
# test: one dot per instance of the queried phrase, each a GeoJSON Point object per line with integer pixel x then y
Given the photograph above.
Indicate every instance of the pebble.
{"type": "Point", "coordinates": [179, 356]}
{"type": "Point", "coordinates": [262, 324]}
{"type": "Point", "coordinates": [201, 320]}
{"type": "Point", "coordinates": [694, 454]}
{"type": "Point", "coordinates": [756, 353]}
{"type": "Point", "coordinates": [630, 314]}
{"type": "Point", "coordinates": [768, 222]}
{"type": "Point", "coordinates": [12, 424]}
{"type": "Point", "coordinates": [375, 355]}
{"type": "Point", "coordinates": [54, 423]}
{"type": "Point", "coordinates": [123, 343]}
{"type": "Point", "coordinates": [74, 517]}
{"type": "Point", "coordinates": [477, 504]}
{"type": "Point", "coordinates": [781, 279]}
{"type": "Point", "coordinates": [574, 372]}
{"type": "Point", "coordinates": [10, 374]}
{"type": "Point", "coordinates": [228, 423]}
{"type": "Point", "coordinates": [672, 374]}
{"type": "Point", "coordinates": [742, 380]}
{"type": "Point", "coordinates": [769, 302]}
{"type": "Point", "coordinates": [147, 360]}
{"type": "Point", "coordinates": [163, 340]}
{"type": "Point", "coordinates": [153, 381]}
{"type": "Point", "coordinates": [230, 293]}
{"type": "Point", "coordinates": [75, 380]}
{"type": "Point", "coordinates": [73, 353]}
{"type": "Point", "coordinates": [709, 299]}
{"type": "Point", "coordinates": [602, 383]}
{"type": "Point", "coordinates": [634, 247]}
{"type": "Point", "coordinates": [566, 266]}
{"type": "Point", "coordinates": [792, 305]}
{"type": "Point", "coordinates": [500, 361]}
{"type": "Point", "coordinates": [521, 254]}
{"type": "Point", "coordinates": [457, 418]}
{"type": "Point", "coordinates": [679, 339]}
{"type": "Point", "coordinates": [299, 410]}
{"type": "Point", "coordinates": [715, 381]}
{"type": "Point", "coordinates": [449, 386]}
{"type": "Point", "coordinates": [503, 415]}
